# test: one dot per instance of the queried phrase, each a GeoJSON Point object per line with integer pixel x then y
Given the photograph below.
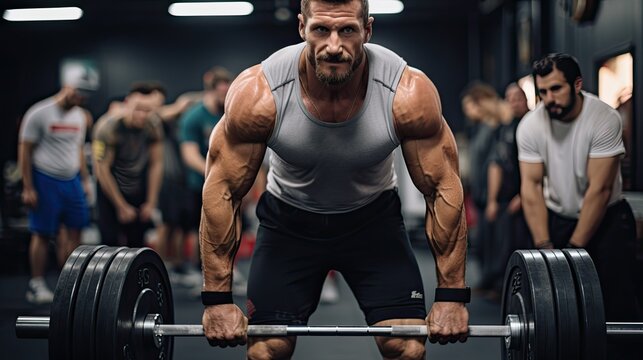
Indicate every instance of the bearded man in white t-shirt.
{"type": "Point", "coordinates": [569, 149]}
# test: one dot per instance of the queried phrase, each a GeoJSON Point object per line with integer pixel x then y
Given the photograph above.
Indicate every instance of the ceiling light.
{"type": "Point", "coordinates": [385, 6]}
{"type": "Point", "coordinates": [43, 14]}
{"type": "Point", "coordinates": [231, 8]}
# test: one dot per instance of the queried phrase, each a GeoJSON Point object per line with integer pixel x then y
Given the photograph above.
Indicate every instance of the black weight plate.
{"type": "Point", "coordinates": [65, 295]}
{"type": "Point", "coordinates": [136, 284]}
{"type": "Point", "coordinates": [84, 339]}
{"type": "Point", "coordinates": [528, 293]}
{"type": "Point", "coordinates": [590, 305]}
{"type": "Point", "coordinates": [566, 310]}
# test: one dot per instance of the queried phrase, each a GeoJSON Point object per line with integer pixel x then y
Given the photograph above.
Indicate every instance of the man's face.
{"type": "Point", "coordinates": [556, 93]}
{"type": "Point", "coordinates": [517, 100]}
{"type": "Point", "coordinates": [335, 34]}
{"type": "Point", "coordinates": [221, 89]}
{"type": "Point", "coordinates": [471, 109]}
{"type": "Point", "coordinates": [140, 107]}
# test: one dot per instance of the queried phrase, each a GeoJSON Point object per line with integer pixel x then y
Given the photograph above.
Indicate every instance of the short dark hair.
{"type": "Point", "coordinates": [216, 75]}
{"type": "Point", "coordinates": [147, 87]}
{"type": "Point", "coordinates": [478, 90]}
{"type": "Point", "coordinates": [305, 7]}
{"type": "Point", "coordinates": [565, 63]}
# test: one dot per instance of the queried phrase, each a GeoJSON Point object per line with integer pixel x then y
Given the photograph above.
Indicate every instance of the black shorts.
{"type": "Point", "coordinates": [295, 249]}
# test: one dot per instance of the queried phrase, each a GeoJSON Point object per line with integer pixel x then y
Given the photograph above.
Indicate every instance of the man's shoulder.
{"type": "Point", "coordinates": [599, 110]}
{"type": "Point", "coordinates": [250, 104]}
{"type": "Point", "coordinates": [534, 119]}
{"type": "Point", "coordinates": [106, 127]}
{"type": "Point", "coordinates": [40, 108]}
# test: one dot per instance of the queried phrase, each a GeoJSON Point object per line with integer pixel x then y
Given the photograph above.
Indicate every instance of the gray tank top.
{"type": "Point", "coordinates": [326, 167]}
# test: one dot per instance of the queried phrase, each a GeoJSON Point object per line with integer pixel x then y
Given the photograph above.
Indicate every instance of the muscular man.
{"type": "Point", "coordinates": [54, 175]}
{"type": "Point", "coordinates": [332, 109]}
{"type": "Point", "coordinates": [569, 150]}
{"type": "Point", "coordinates": [127, 150]}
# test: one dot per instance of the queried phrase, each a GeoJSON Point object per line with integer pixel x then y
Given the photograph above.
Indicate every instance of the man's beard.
{"type": "Point", "coordinates": [335, 78]}
{"type": "Point", "coordinates": [564, 110]}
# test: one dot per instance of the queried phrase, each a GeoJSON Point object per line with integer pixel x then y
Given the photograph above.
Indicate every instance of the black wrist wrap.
{"type": "Point", "coordinates": [216, 297]}
{"type": "Point", "coordinates": [453, 295]}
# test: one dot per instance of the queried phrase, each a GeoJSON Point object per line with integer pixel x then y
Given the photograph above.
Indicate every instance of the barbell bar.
{"type": "Point", "coordinates": [37, 327]}
{"type": "Point", "coordinates": [548, 295]}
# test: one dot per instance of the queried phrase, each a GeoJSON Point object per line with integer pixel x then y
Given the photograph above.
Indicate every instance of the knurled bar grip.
{"type": "Point", "coordinates": [38, 327]}
{"type": "Point", "coordinates": [283, 330]}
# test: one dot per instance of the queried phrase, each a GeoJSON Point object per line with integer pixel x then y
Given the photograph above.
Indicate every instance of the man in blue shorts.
{"type": "Point", "coordinates": [54, 174]}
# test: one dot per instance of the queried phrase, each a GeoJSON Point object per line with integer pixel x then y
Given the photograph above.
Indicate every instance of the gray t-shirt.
{"type": "Point", "coordinates": [58, 135]}
{"type": "Point", "coordinates": [564, 149]}
{"type": "Point", "coordinates": [325, 167]}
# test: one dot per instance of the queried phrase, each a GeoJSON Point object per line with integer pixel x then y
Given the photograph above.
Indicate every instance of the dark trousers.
{"type": "Point", "coordinates": [502, 237]}
{"type": "Point", "coordinates": [112, 232]}
{"type": "Point", "coordinates": [612, 249]}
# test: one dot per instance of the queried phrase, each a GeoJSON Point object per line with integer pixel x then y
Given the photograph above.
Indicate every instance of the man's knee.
{"type": "Point", "coordinates": [271, 349]}
{"type": "Point", "coordinates": [402, 349]}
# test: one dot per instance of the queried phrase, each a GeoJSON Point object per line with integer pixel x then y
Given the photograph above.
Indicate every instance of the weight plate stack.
{"type": "Point", "coordinates": [590, 305]}
{"type": "Point", "coordinates": [528, 293]}
{"type": "Point", "coordinates": [136, 284]}
{"type": "Point", "coordinates": [564, 291]}
{"type": "Point", "coordinates": [84, 331]}
{"type": "Point", "coordinates": [64, 303]}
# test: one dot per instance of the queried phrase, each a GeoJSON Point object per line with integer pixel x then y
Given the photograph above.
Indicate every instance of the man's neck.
{"type": "Point", "coordinates": [578, 107]}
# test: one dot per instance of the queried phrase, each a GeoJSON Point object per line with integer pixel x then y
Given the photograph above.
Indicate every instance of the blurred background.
{"type": "Point", "coordinates": [454, 42]}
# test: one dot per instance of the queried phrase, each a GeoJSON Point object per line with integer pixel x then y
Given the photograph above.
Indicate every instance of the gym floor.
{"type": "Point", "coordinates": [344, 312]}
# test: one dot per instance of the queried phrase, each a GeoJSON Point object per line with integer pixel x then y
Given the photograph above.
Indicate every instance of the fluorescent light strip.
{"type": "Point", "coordinates": [43, 14]}
{"type": "Point", "coordinates": [231, 8]}
{"type": "Point", "coordinates": [385, 6]}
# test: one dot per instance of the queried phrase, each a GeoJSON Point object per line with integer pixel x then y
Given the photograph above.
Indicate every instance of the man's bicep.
{"type": "Point", "coordinates": [531, 172]}
{"type": "Point", "coordinates": [433, 161]}
{"type": "Point", "coordinates": [232, 161]}
{"type": "Point", "coordinates": [602, 171]}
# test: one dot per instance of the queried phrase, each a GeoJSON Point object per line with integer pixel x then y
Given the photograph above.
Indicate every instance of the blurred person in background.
{"type": "Point", "coordinates": [54, 173]}
{"type": "Point", "coordinates": [127, 152]}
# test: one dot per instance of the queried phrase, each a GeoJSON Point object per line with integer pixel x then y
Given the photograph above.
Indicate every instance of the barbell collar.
{"type": "Point", "coordinates": [32, 327]}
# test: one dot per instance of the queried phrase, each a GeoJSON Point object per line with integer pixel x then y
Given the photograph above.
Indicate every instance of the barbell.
{"type": "Point", "coordinates": [116, 303]}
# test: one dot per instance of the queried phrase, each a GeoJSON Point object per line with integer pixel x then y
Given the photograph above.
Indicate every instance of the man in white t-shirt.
{"type": "Point", "coordinates": [569, 149]}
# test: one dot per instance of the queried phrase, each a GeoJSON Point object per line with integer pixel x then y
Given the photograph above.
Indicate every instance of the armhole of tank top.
{"type": "Point", "coordinates": [390, 119]}
{"type": "Point", "coordinates": [281, 96]}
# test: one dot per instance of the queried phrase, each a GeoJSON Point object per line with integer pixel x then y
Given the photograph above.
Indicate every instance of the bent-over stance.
{"type": "Point", "coordinates": [332, 109]}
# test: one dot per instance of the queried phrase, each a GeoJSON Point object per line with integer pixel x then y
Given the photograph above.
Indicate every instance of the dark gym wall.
{"type": "Point", "coordinates": [178, 54]}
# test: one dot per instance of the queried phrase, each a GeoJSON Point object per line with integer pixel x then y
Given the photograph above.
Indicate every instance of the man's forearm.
{"type": "Point", "coordinates": [494, 180]}
{"type": "Point", "coordinates": [24, 154]}
{"type": "Point", "coordinates": [594, 208]}
{"type": "Point", "coordinates": [108, 184]}
{"type": "Point", "coordinates": [154, 179]}
{"type": "Point", "coordinates": [84, 173]}
{"type": "Point", "coordinates": [535, 210]}
{"type": "Point", "coordinates": [219, 237]}
{"type": "Point", "coordinates": [447, 233]}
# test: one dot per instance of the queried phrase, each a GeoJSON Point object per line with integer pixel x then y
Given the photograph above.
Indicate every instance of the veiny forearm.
{"type": "Point", "coordinates": [533, 204]}
{"type": "Point", "coordinates": [219, 236]}
{"type": "Point", "coordinates": [229, 177]}
{"type": "Point", "coordinates": [594, 208]}
{"type": "Point", "coordinates": [447, 233]}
